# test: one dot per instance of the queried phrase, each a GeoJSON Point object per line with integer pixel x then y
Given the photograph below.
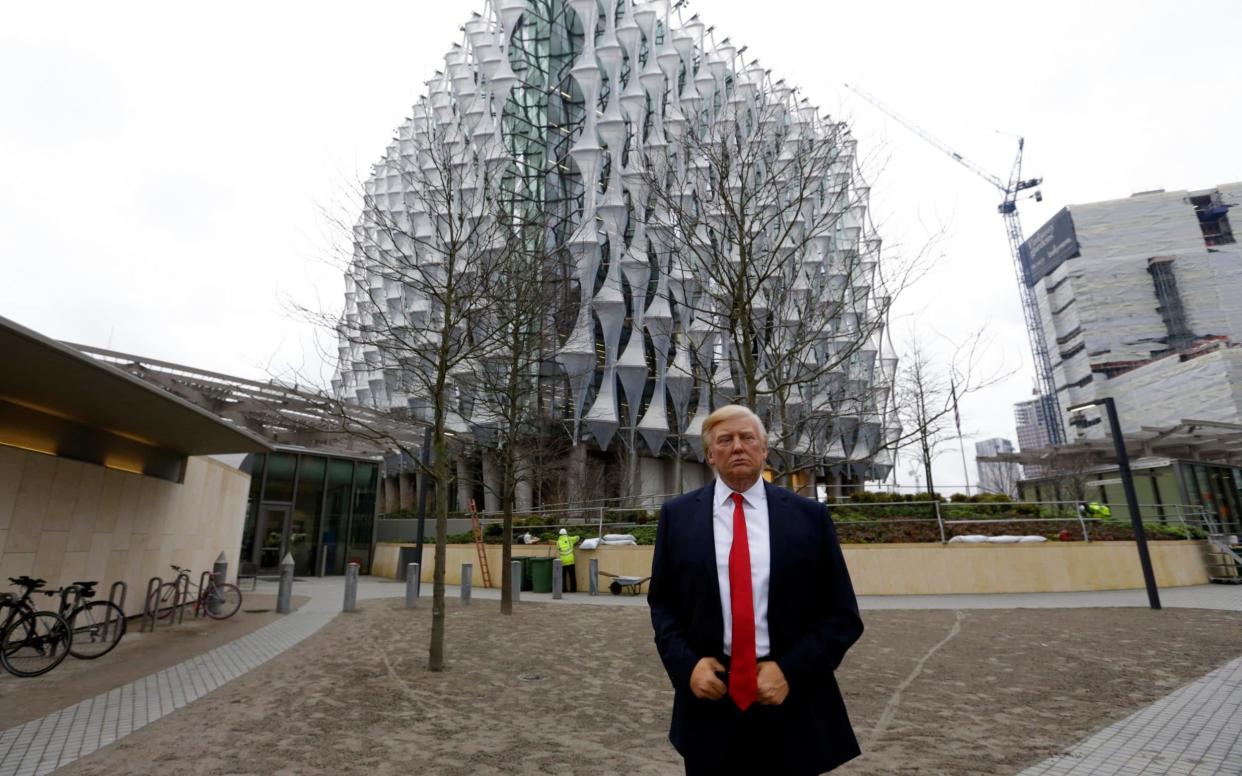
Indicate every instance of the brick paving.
{"type": "Point", "coordinates": [1195, 730]}
{"type": "Point", "coordinates": [42, 745]}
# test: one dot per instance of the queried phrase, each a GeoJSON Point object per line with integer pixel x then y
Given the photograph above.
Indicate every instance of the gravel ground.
{"type": "Point", "coordinates": [579, 689]}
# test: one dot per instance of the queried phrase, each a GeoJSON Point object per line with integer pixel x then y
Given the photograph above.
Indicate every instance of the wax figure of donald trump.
{"type": "Point", "coordinates": [753, 611]}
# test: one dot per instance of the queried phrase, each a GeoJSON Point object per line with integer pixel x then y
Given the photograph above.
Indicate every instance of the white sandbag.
{"type": "Point", "coordinates": [589, 544]}
{"type": "Point", "coordinates": [619, 539]}
{"type": "Point", "coordinates": [968, 539]}
{"type": "Point", "coordinates": [1032, 539]}
{"type": "Point", "coordinates": [1004, 539]}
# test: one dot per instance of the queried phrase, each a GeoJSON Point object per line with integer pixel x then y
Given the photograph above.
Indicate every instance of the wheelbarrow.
{"type": "Point", "coordinates": [621, 582]}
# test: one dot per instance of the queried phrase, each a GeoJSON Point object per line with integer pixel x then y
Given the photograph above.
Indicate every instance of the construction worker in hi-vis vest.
{"type": "Point", "coordinates": [1095, 509]}
{"type": "Point", "coordinates": [565, 547]}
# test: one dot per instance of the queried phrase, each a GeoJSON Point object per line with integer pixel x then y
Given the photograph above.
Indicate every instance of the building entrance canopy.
{"type": "Point", "coordinates": [55, 400]}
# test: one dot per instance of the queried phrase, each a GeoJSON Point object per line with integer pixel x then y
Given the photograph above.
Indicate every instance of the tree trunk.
{"type": "Point", "coordinates": [927, 464]}
{"type": "Point", "coordinates": [506, 551]}
{"type": "Point", "coordinates": [435, 655]}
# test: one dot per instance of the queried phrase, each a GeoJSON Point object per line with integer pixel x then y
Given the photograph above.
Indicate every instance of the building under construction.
{"type": "Point", "coordinates": [1137, 300]}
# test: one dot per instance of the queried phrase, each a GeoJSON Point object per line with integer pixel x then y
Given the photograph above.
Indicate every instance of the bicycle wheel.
{"type": "Point", "coordinates": [227, 600]}
{"type": "Point", "coordinates": [35, 644]}
{"type": "Point", "coordinates": [97, 628]}
{"type": "Point", "coordinates": [163, 602]}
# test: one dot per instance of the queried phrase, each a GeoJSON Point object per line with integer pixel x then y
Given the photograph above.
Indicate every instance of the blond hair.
{"type": "Point", "coordinates": [731, 412]}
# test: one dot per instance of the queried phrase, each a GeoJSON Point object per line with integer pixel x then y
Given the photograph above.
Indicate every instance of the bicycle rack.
{"type": "Point", "coordinates": [181, 598]}
{"type": "Point", "coordinates": [118, 601]}
{"type": "Point", "coordinates": [67, 605]}
{"type": "Point", "coordinates": [203, 582]}
{"type": "Point", "coordinates": [114, 599]}
{"type": "Point", "coordinates": [148, 613]}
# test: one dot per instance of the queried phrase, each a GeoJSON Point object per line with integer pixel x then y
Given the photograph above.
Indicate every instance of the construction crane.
{"type": "Point", "coordinates": [1008, 208]}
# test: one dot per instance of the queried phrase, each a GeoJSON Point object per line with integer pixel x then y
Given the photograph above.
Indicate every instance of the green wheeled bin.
{"type": "Point", "coordinates": [541, 574]}
{"type": "Point", "coordinates": [526, 578]}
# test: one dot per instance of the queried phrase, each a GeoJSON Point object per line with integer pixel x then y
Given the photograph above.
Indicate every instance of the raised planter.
{"type": "Point", "coordinates": [902, 569]}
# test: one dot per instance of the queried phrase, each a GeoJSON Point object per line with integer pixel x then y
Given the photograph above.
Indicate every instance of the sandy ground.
{"type": "Point", "coordinates": [137, 655]}
{"type": "Point", "coordinates": [579, 689]}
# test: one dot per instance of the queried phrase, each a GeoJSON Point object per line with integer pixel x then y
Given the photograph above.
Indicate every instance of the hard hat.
{"type": "Point", "coordinates": [564, 532]}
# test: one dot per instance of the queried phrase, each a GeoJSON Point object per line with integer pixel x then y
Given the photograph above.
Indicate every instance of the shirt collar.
{"type": "Point", "coordinates": [753, 496]}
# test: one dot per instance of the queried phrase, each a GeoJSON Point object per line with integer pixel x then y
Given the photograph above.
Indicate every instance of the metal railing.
{"type": "Point", "coordinates": [1188, 521]}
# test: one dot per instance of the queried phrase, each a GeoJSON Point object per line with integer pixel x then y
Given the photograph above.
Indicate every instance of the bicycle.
{"type": "Point", "coordinates": [217, 601]}
{"type": "Point", "coordinates": [32, 642]}
{"type": "Point", "coordinates": [97, 626]}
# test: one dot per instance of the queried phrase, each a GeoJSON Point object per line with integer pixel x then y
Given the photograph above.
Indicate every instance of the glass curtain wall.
{"type": "Point", "coordinates": [319, 509]}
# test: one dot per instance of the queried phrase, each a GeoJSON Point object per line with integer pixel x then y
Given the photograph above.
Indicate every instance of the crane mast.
{"type": "Point", "coordinates": [1008, 208]}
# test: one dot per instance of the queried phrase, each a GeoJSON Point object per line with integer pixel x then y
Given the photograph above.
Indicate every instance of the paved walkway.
{"type": "Point", "coordinates": [43, 745]}
{"type": "Point", "coordinates": [1196, 730]}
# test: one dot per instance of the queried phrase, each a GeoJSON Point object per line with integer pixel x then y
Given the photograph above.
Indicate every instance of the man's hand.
{"type": "Point", "coordinates": [703, 680]}
{"type": "Point", "coordinates": [773, 689]}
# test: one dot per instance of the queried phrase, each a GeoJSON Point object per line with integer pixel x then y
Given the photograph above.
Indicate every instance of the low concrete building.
{"type": "Point", "coordinates": [105, 477]}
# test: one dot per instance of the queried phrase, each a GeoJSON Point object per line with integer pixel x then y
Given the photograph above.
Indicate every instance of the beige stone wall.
{"type": "Point", "coordinates": [905, 569]}
{"type": "Point", "coordinates": [63, 520]}
{"type": "Point", "coordinates": [621, 560]}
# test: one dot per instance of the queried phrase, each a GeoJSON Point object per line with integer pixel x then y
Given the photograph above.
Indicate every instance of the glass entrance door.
{"type": "Point", "coordinates": [301, 542]}
{"type": "Point", "coordinates": [272, 535]}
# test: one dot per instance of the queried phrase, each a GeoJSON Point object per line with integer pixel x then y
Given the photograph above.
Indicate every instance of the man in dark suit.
{"type": "Point", "coordinates": [753, 611]}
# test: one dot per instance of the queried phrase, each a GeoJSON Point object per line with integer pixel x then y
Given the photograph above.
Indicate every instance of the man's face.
{"type": "Point", "coordinates": [737, 451]}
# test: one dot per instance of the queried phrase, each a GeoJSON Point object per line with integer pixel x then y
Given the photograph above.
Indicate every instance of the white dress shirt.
{"type": "Point", "coordinates": [755, 507]}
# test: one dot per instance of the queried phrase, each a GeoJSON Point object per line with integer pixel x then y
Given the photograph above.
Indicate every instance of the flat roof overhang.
{"type": "Point", "coordinates": [56, 400]}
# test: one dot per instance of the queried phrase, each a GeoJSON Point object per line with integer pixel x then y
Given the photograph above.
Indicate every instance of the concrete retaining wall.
{"type": "Point", "coordinates": [902, 569]}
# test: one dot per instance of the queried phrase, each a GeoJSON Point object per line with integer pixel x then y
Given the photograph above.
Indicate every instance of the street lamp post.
{"type": "Point", "coordinates": [1127, 485]}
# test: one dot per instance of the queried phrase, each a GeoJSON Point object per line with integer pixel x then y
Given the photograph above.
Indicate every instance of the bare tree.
{"type": "Point", "coordinates": [776, 270]}
{"type": "Point", "coordinates": [929, 390]}
{"type": "Point", "coordinates": [429, 251]}
{"type": "Point", "coordinates": [506, 391]}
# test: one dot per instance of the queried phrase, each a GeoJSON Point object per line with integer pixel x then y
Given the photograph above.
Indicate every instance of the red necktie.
{"type": "Point", "coordinates": [743, 671]}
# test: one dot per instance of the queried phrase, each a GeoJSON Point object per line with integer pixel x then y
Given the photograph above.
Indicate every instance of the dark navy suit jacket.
{"type": "Point", "coordinates": [812, 620]}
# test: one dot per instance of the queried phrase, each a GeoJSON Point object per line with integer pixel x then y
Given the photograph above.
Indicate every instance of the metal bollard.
{"type": "Point", "coordinates": [351, 588]}
{"type": "Point", "coordinates": [284, 594]}
{"type": "Point", "coordinates": [558, 578]}
{"type": "Point", "coordinates": [219, 574]}
{"type": "Point", "coordinates": [593, 576]}
{"type": "Point", "coordinates": [467, 576]}
{"type": "Point", "coordinates": [515, 579]}
{"type": "Point", "coordinates": [411, 585]}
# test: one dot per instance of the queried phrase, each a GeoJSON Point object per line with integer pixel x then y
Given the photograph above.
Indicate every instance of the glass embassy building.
{"type": "Point", "coordinates": [599, 118]}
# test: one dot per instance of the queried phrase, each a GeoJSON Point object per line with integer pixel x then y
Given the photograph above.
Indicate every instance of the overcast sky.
{"type": "Point", "coordinates": [165, 168]}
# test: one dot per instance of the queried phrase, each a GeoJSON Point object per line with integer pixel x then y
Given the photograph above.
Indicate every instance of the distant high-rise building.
{"type": "Point", "coordinates": [1028, 417]}
{"type": "Point", "coordinates": [1138, 301]}
{"type": "Point", "coordinates": [996, 476]}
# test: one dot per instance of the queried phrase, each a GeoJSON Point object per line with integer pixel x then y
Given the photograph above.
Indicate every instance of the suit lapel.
{"type": "Point", "coordinates": [705, 539]}
{"type": "Point", "coordinates": [778, 548]}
